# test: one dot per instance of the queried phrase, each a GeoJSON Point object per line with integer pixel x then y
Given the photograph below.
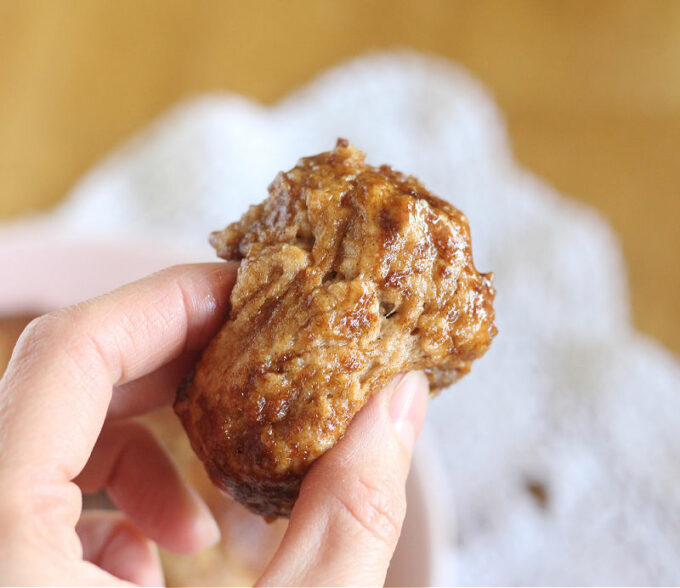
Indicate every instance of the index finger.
{"type": "Point", "coordinates": [58, 385]}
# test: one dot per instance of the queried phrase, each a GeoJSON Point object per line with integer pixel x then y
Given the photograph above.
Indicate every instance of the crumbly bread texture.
{"type": "Point", "coordinates": [349, 275]}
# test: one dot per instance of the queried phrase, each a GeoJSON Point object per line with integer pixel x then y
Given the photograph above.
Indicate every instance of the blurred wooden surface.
{"type": "Point", "coordinates": [591, 92]}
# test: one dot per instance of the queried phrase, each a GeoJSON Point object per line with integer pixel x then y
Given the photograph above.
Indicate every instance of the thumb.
{"type": "Point", "coordinates": [347, 520]}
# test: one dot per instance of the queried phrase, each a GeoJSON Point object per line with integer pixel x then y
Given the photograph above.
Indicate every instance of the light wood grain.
{"type": "Point", "coordinates": [591, 91]}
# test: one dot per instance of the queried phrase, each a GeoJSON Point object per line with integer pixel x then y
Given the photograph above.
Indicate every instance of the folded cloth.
{"type": "Point", "coordinates": [562, 446]}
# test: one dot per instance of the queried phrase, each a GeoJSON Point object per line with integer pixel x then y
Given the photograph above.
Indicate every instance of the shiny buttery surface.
{"type": "Point", "coordinates": [590, 90]}
{"type": "Point", "coordinates": [349, 275]}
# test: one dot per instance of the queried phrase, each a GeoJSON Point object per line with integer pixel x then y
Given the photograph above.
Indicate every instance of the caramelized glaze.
{"type": "Point", "coordinates": [350, 274]}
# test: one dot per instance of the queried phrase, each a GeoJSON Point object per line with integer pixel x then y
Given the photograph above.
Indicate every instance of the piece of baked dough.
{"type": "Point", "coordinates": [349, 275]}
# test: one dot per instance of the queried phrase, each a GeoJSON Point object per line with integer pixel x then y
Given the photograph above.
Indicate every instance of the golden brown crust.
{"type": "Point", "coordinates": [350, 274]}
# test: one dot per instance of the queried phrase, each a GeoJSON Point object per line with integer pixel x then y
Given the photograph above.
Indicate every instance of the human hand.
{"type": "Point", "coordinates": [76, 377]}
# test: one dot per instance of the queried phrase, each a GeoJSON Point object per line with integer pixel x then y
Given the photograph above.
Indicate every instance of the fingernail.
{"type": "Point", "coordinates": [212, 531]}
{"type": "Point", "coordinates": [407, 406]}
{"type": "Point", "coordinates": [206, 529]}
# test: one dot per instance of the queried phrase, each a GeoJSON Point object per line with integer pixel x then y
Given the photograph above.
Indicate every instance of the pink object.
{"type": "Point", "coordinates": [51, 269]}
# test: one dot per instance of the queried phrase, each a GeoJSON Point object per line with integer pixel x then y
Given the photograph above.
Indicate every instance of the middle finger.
{"type": "Point", "coordinates": [143, 482]}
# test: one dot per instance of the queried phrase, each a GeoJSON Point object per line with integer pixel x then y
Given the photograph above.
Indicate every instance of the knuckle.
{"type": "Point", "coordinates": [375, 506]}
{"type": "Point", "coordinates": [43, 330]}
{"type": "Point", "coordinates": [60, 331]}
{"type": "Point", "coordinates": [39, 328]}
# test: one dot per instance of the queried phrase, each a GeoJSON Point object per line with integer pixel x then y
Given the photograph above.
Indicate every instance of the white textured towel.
{"type": "Point", "coordinates": [562, 446]}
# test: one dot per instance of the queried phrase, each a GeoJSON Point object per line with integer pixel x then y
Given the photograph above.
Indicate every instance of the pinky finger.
{"type": "Point", "coordinates": [111, 542]}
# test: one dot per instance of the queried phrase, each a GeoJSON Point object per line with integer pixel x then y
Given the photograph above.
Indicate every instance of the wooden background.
{"type": "Point", "coordinates": [590, 89]}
